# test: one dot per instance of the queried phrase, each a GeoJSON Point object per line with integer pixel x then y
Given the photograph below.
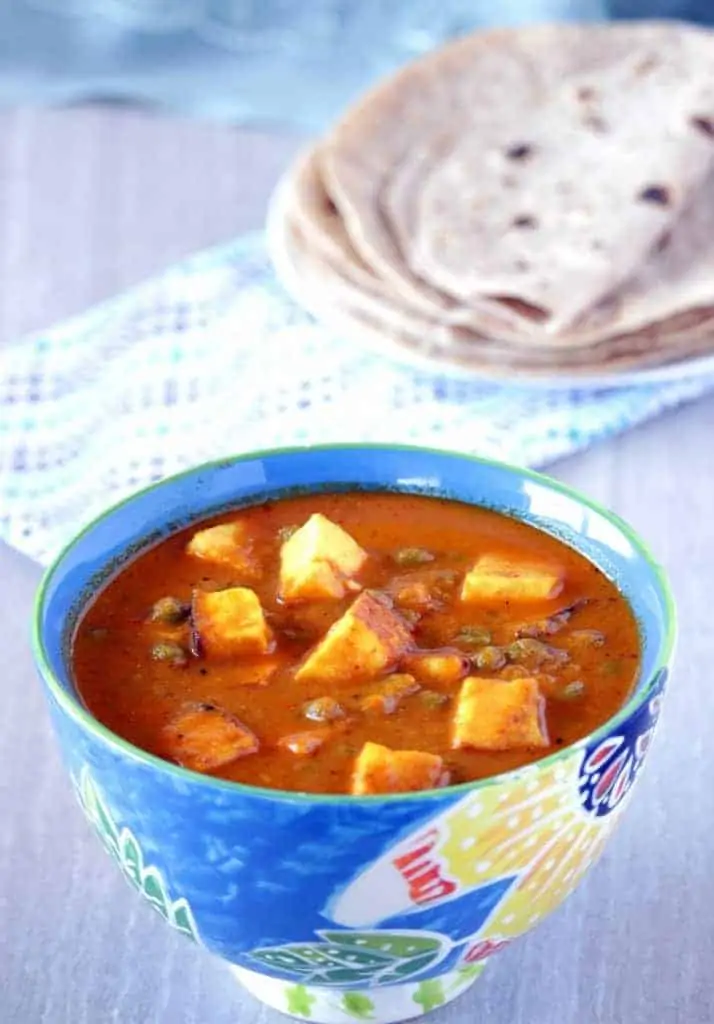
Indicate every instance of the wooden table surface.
{"type": "Point", "coordinates": [93, 200]}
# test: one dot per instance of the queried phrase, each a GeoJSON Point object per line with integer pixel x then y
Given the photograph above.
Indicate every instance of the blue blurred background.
{"type": "Point", "coordinates": [251, 61]}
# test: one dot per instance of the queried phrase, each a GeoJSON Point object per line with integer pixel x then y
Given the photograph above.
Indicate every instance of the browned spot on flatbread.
{"type": "Point", "coordinates": [520, 151]}
{"type": "Point", "coordinates": [524, 309]}
{"type": "Point", "coordinates": [524, 220]}
{"type": "Point", "coordinates": [705, 125]}
{"type": "Point", "coordinates": [595, 123]}
{"type": "Point", "coordinates": [656, 195]}
{"type": "Point", "coordinates": [647, 65]}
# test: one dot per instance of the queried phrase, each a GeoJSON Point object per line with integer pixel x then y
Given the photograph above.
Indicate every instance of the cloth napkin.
{"type": "Point", "coordinates": [212, 358]}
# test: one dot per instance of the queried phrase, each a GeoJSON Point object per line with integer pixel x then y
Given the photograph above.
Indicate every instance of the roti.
{"type": "Point", "coordinates": [539, 196]}
{"type": "Point", "coordinates": [310, 206]}
{"type": "Point", "coordinates": [318, 286]}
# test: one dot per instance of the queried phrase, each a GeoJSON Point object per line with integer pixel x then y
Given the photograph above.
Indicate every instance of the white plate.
{"type": "Point", "coordinates": [381, 344]}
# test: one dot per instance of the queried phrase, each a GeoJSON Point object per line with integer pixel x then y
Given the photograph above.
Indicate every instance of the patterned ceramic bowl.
{"type": "Point", "coordinates": [335, 908]}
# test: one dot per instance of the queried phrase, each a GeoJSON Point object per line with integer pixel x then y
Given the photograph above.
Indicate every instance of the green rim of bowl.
{"type": "Point", "coordinates": [76, 710]}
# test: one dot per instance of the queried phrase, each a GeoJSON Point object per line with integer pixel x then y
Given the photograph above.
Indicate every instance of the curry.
{"type": "Point", "coordinates": [357, 643]}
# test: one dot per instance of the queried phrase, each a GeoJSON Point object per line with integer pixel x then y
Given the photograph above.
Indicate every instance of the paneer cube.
{"type": "Point", "coordinates": [495, 715]}
{"type": "Point", "coordinates": [319, 562]}
{"type": "Point", "coordinates": [228, 544]}
{"type": "Point", "coordinates": [443, 668]}
{"type": "Point", "coordinates": [380, 769]}
{"type": "Point", "coordinates": [230, 622]}
{"type": "Point", "coordinates": [363, 644]}
{"type": "Point", "coordinates": [500, 578]}
{"type": "Point", "coordinates": [389, 694]}
{"type": "Point", "coordinates": [204, 737]}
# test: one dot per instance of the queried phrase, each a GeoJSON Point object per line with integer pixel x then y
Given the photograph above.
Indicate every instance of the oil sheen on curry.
{"type": "Point", "coordinates": [357, 643]}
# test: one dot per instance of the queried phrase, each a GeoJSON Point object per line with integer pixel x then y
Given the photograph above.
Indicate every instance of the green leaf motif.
{"type": "Point", "coordinates": [429, 995]}
{"type": "Point", "coordinates": [385, 942]}
{"type": "Point", "coordinates": [153, 889]}
{"type": "Point", "coordinates": [407, 968]}
{"type": "Point", "coordinates": [299, 1001]}
{"type": "Point", "coordinates": [131, 859]}
{"type": "Point", "coordinates": [183, 919]}
{"type": "Point", "coordinates": [124, 847]}
{"type": "Point", "coordinates": [358, 1006]}
{"type": "Point", "coordinates": [282, 959]}
{"type": "Point", "coordinates": [87, 793]}
{"type": "Point", "coordinates": [353, 958]}
{"type": "Point", "coordinates": [98, 813]}
{"type": "Point", "coordinates": [344, 976]}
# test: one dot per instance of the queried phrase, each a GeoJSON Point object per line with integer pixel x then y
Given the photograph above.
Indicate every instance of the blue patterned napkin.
{"type": "Point", "coordinates": [212, 358]}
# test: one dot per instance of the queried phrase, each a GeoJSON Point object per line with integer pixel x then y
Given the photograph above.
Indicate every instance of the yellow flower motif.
{"type": "Point", "coordinates": [534, 828]}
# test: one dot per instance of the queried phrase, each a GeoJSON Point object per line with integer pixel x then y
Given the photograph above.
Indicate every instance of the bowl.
{"type": "Point", "coordinates": [342, 908]}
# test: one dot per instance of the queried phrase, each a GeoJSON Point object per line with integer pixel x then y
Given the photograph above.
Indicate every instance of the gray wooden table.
{"type": "Point", "coordinates": [94, 200]}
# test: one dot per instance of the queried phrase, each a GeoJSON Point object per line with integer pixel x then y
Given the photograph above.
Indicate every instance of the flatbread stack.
{"type": "Point", "coordinates": [535, 201]}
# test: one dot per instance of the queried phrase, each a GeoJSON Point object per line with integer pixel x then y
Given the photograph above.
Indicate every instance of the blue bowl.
{"type": "Point", "coordinates": [336, 908]}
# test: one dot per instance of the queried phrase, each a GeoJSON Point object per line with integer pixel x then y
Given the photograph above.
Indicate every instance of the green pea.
{"type": "Point", "coordinates": [167, 650]}
{"type": "Point", "coordinates": [412, 556]}
{"type": "Point", "coordinates": [473, 636]}
{"type": "Point", "coordinates": [612, 667]}
{"type": "Point", "coordinates": [491, 658]}
{"type": "Point", "coordinates": [535, 653]}
{"type": "Point", "coordinates": [170, 610]}
{"type": "Point", "coordinates": [573, 690]}
{"type": "Point", "coordinates": [432, 699]}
